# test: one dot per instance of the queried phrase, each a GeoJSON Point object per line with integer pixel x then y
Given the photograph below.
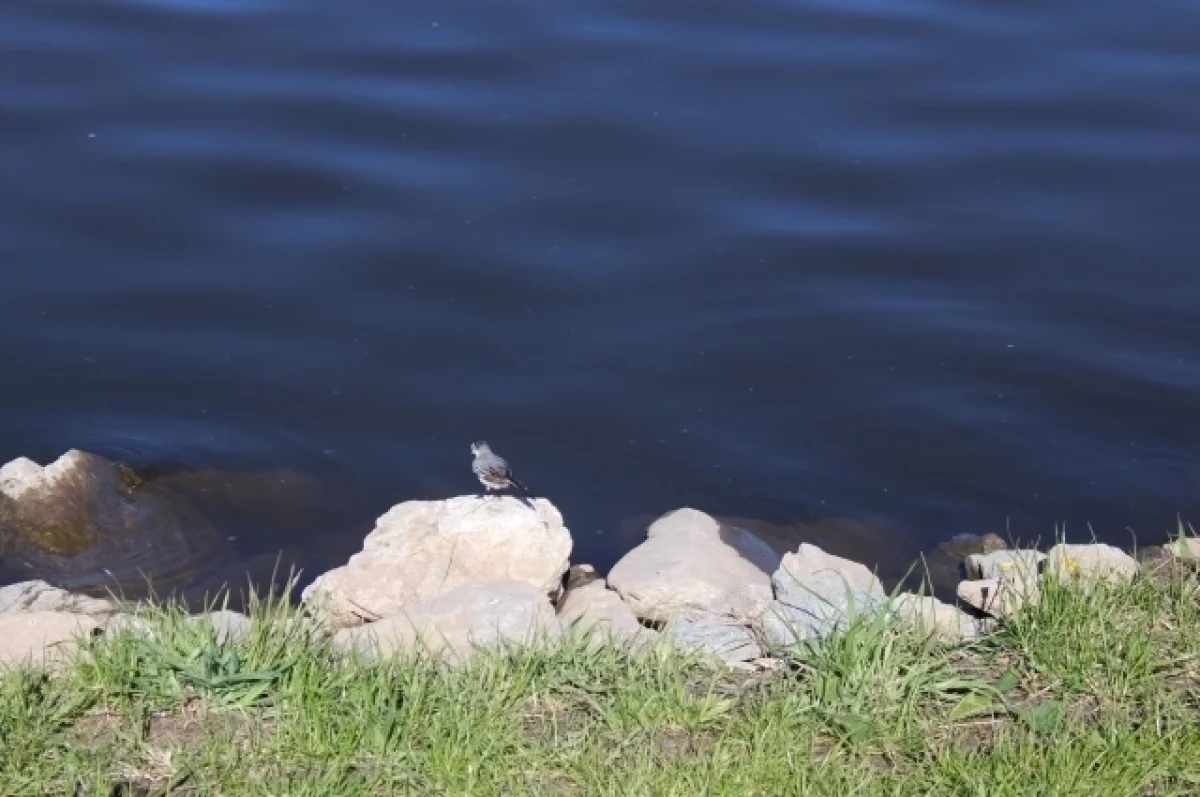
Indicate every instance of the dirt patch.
{"type": "Point", "coordinates": [672, 742]}
{"type": "Point", "coordinates": [554, 720]}
{"type": "Point", "coordinates": [149, 750]}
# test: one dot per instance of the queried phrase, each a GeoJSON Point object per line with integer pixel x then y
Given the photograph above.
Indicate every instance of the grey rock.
{"type": "Point", "coordinates": [41, 639]}
{"type": "Point", "coordinates": [38, 596]}
{"type": "Point", "coordinates": [1090, 564]}
{"type": "Point", "coordinates": [422, 549]}
{"type": "Point", "coordinates": [817, 594]}
{"type": "Point", "coordinates": [454, 624]}
{"type": "Point", "coordinates": [596, 610]}
{"type": "Point", "coordinates": [692, 563]}
{"type": "Point", "coordinates": [946, 622]}
{"type": "Point", "coordinates": [715, 635]}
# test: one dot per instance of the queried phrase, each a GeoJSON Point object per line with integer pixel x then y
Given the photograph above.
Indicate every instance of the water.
{"type": "Point", "coordinates": [932, 267]}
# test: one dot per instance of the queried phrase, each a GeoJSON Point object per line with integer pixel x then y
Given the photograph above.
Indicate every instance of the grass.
{"type": "Point", "coordinates": [1090, 692]}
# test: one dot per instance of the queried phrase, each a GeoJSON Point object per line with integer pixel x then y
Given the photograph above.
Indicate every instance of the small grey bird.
{"type": "Point", "coordinates": [493, 471]}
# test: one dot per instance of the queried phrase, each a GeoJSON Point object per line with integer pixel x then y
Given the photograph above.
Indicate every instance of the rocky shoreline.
{"type": "Point", "coordinates": [446, 577]}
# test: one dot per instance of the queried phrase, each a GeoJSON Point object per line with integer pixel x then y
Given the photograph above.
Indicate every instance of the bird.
{"type": "Point", "coordinates": [493, 471]}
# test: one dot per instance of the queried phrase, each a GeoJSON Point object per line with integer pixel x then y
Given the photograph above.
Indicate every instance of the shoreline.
{"type": "Point", "coordinates": [460, 652]}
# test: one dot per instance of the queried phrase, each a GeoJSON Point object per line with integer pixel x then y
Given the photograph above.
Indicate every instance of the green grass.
{"type": "Point", "coordinates": [1087, 693]}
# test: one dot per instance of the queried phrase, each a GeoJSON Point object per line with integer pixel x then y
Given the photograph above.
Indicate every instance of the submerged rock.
{"type": "Point", "coordinates": [453, 624]}
{"type": "Point", "coordinates": [817, 594]}
{"type": "Point", "coordinates": [690, 562]}
{"type": "Point", "coordinates": [85, 522]}
{"type": "Point", "coordinates": [420, 550]}
{"type": "Point", "coordinates": [963, 545]}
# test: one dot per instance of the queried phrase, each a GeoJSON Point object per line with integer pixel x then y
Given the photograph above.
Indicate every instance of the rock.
{"type": "Point", "coordinates": [946, 622]}
{"type": "Point", "coordinates": [38, 596]}
{"type": "Point", "coordinates": [227, 625]}
{"type": "Point", "coordinates": [715, 635]}
{"type": "Point", "coordinates": [963, 545]}
{"type": "Point", "coordinates": [809, 560]}
{"type": "Point", "coordinates": [1091, 563]}
{"type": "Point", "coordinates": [40, 639]}
{"type": "Point", "coordinates": [692, 563]}
{"type": "Point", "coordinates": [595, 609]}
{"type": "Point", "coordinates": [998, 597]}
{"type": "Point", "coordinates": [1012, 565]}
{"type": "Point", "coordinates": [453, 624]}
{"type": "Point", "coordinates": [817, 594]}
{"type": "Point", "coordinates": [128, 623]}
{"type": "Point", "coordinates": [1184, 548]}
{"type": "Point", "coordinates": [581, 575]}
{"type": "Point", "coordinates": [90, 523]}
{"type": "Point", "coordinates": [422, 549]}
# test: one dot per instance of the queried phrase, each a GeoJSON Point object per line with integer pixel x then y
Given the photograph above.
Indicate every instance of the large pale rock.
{"type": "Point", "coordinates": [597, 610]}
{"type": "Point", "coordinates": [941, 620]}
{"type": "Point", "coordinates": [1089, 564]}
{"type": "Point", "coordinates": [455, 623]}
{"type": "Point", "coordinates": [716, 635]}
{"type": "Point", "coordinates": [422, 549]}
{"type": "Point", "coordinates": [1012, 565]}
{"type": "Point", "coordinates": [1000, 598]}
{"type": "Point", "coordinates": [690, 562]}
{"type": "Point", "coordinates": [40, 639]}
{"type": "Point", "coordinates": [816, 594]}
{"type": "Point", "coordinates": [38, 596]}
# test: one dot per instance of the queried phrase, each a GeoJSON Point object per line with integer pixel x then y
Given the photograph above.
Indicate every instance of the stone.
{"type": "Point", "coordinates": [128, 624]}
{"type": "Point", "coordinates": [941, 620]}
{"type": "Point", "coordinates": [422, 549]}
{"type": "Point", "coordinates": [1012, 565]}
{"type": "Point", "coordinates": [41, 639]}
{"type": "Point", "coordinates": [690, 562]}
{"type": "Point", "coordinates": [92, 523]}
{"type": "Point", "coordinates": [715, 635]}
{"type": "Point", "coordinates": [1184, 548]}
{"type": "Point", "coordinates": [595, 609]}
{"type": "Point", "coordinates": [38, 596]}
{"type": "Point", "coordinates": [581, 575]}
{"type": "Point", "coordinates": [452, 625]}
{"type": "Point", "coordinates": [1090, 564]}
{"type": "Point", "coordinates": [999, 598]}
{"type": "Point", "coordinates": [817, 594]}
{"type": "Point", "coordinates": [227, 625]}
{"type": "Point", "coordinates": [964, 545]}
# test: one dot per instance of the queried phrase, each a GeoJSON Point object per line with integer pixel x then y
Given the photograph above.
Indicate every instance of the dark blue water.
{"type": "Point", "coordinates": [934, 266]}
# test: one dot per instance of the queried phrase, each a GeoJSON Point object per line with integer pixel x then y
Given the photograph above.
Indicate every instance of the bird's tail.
{"type": "Point", "coordinates": [524, 490]}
